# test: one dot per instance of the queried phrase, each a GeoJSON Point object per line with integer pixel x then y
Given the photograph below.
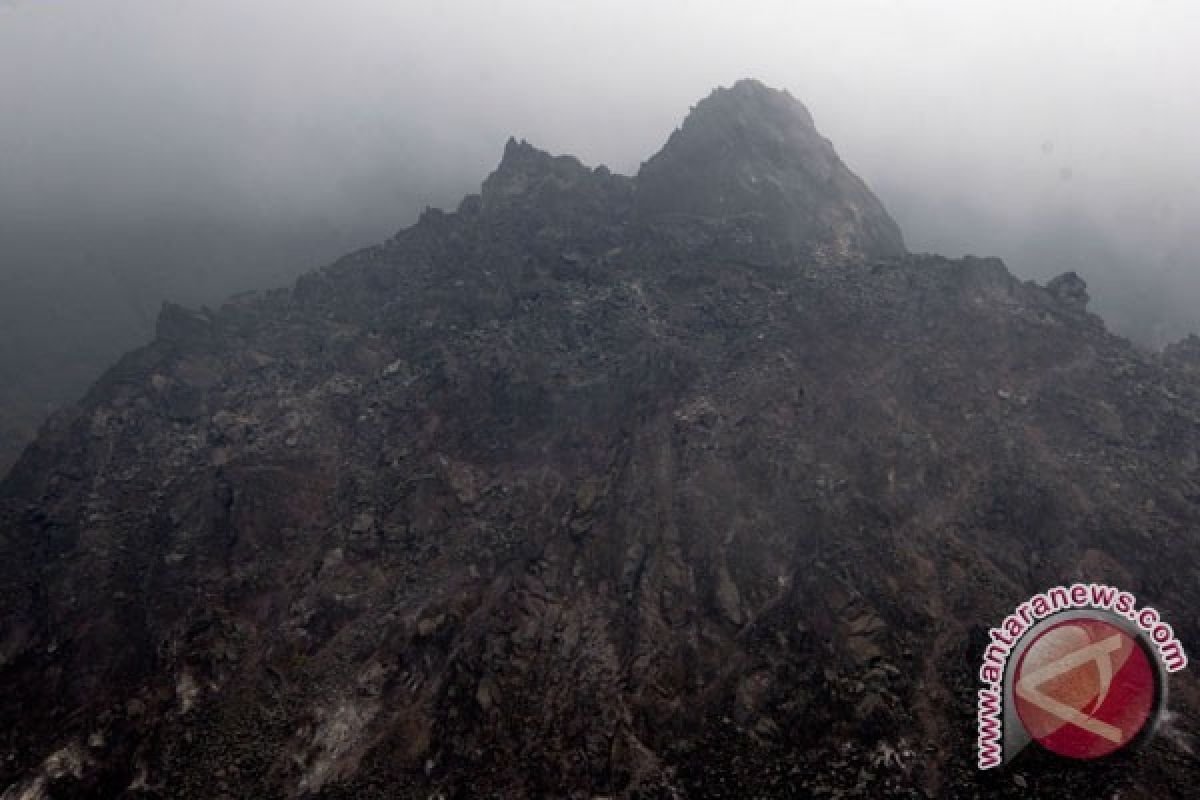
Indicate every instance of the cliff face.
{"type": "Point", "coordinates": [689, 484]}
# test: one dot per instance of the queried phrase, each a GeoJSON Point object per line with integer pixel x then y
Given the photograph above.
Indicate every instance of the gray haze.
{"type": "Point", "coordinates": [187, 150]}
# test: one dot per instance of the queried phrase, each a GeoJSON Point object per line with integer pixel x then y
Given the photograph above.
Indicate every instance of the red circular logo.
{"type": "Point", "coordinates": [1084, 688]}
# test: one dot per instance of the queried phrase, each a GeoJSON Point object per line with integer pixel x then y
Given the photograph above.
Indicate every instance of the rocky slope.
{"type": "Point", "coordinates": [690, 484]}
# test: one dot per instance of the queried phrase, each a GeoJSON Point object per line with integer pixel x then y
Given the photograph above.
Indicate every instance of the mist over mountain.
{"type": "Point", "coordinates": [687, 483]}
{"type": "Point", "coordinates": [191, 151]}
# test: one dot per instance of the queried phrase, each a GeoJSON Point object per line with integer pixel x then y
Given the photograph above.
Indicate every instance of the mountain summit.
{"type": "Point", "coordinates": [752, 150]}
{"type": "Point", "coordinates": [687, 484]}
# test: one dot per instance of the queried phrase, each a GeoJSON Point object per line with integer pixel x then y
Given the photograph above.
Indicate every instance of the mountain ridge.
{"type": "Point", "coordinates": [571, 492]}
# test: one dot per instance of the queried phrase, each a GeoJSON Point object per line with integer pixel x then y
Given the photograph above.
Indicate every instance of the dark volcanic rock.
{"type": "Point", "coordinates": [1070, 289]}
{"type": "Point", "coordinates": [753, 151]}
{"type": "Point", "coordinates": [597, 486]}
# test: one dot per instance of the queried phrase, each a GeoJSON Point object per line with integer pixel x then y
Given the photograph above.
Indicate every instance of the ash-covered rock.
{"type": "Point", "coordinates": [753, 151]}
{"type": "Point", "coordinates": [597, 486]}
{"type": "Point", "coordinates": [1070, 289]}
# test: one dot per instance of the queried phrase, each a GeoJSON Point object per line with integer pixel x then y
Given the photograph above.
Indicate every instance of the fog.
{"type": "Point", "coordinates": [187, 150]}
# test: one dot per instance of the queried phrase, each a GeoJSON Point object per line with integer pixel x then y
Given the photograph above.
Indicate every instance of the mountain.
{"type": "Point", "coordinates": [688, 484]}
{"type": "Point", "coordinates": [754, 152]}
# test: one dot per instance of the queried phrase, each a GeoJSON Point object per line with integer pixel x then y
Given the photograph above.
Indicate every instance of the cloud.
{"type": "Point", "coordinates": [983, 126]}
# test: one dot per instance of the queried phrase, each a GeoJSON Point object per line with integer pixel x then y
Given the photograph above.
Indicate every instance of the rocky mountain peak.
{"type": "Point", "coordinates": [598, 486]}
{"type": "Point", "coordinates": [753, 150]}
{"type": "Point", "coordinates": [523, 168]}
{"type": "Point", "coordinates": [530, 185]}
{"type": "Point", "coordinates": [747, 155]}
{"type": "Point", "coordinates": [1070, 289]}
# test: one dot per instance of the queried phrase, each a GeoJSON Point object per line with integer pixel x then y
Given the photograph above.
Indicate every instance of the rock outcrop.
{"type": "Point", "coordinates": [693, 484]}
{"type": "Point", "coordinates": [754, 152]}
